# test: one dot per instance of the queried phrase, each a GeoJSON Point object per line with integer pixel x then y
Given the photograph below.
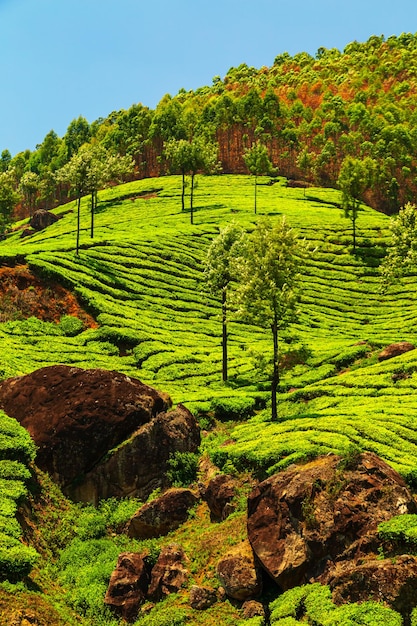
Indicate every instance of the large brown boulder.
{"type": "Point", "coordinates": [219, 494]}
{"type": "Point", "coordinates": [240, 576]}
{"type": "Point", "coordinates": [76, 416]}
{"type": "Point", "coordinates": [392, 581]}
{"type": "Point", "coordinates": [303, 520]}
{"type": "Point", "coordinates": [169, 573]}
{"type": "Point", "coordinates": [128, 585]}
{"type": "Point", "coordinates": [42, 218]}
{"type": "Point", "coordinates": [162, 515]}
{"type": "Point", "coordinates": [139, 465]}
{"type": "Point", "coordinates": [395, 349]}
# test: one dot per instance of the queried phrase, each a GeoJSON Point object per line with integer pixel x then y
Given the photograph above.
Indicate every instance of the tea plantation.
{"type": "Point", "coordinates": [142, 279]}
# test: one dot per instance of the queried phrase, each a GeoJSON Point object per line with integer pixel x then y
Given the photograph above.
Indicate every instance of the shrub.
{"type": "Point", "coordinates": [16, 559]}
{"type": "Point", "coordinates": [233, 408]}
{"type": "Point", "coordinates": [182, 468]}
{"type": "Point", "coordinates": [70, 325]}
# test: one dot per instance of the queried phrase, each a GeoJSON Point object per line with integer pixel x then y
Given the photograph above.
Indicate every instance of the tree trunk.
{"type": "Point", "coordinates": [192, 198]}
{"type": "Point", "coordinates": [92, 214]}
{"type": "Point", "coordinates": [256, 188]}
{"type": "Point", "coordinates": [275, 374]}
{"type": "Point", "coordinates": [77, 244]}
{"type": "Point", "coordinates": [183, 192]}
{"type": "Point", "coordinates": [354, 234]}
{"type": "Point", "coordinates": [224, 339]}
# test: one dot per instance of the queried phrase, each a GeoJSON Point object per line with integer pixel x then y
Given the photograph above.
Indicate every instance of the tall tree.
{"type": "Point", "coordinates": [178, 152]}
{"type": "Point", "coordinates": [219, 274]}
{"type": "Point", "coordinates": [9, 197]}
{"type": "Point", "coordinates": [88, 171]}
{"type": "Point", "coordinates": [258, 163]}
{"type": "Point", "coordinates": [188, 157]}
{"type": "Point", "coordinates": [354, 178]}
{"type": "Point", "coordinates": [204, 158]}
{"type": "Point", "coordinates": [402, 251]}
{"type": "Point", "coordinates": [29, 188]}
{"type": "Point", "coordinates": [269, 280]}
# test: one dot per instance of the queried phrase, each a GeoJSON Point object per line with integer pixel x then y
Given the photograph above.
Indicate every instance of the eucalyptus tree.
{"type": "Point", "coordinates": [258, 163]}
{"type": "Point", "coordinates": [188, 157]}
{"type": "Point", "coordinates": [90, 169]}
{"type": "Point", "coordinates": [220, 271]}
{"type": "Point", "coordinates": [402, 251]}
{"type": "Point", "coordinates": [269, 284]}
{"type": "Point", "coordinates": [29, 188]}
{"type": "Point", "coordinates": [9, 197]}
{"type": "Point", "coordinates": [354, 179]}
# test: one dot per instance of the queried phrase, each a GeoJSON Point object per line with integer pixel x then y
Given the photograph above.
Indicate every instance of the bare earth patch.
{"type": "Point", "coordinates": [23, 295]}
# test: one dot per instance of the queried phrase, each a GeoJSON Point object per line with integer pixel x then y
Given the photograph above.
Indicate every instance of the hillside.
{"type": "Point", "coordinates": [314, 115]}
{"type": "Point", "coordinates": [141, 282]}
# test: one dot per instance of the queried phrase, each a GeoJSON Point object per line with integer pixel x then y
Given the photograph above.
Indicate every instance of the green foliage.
{"type": "Point", "coordinates": [312, 604]}
{"type": "Point", "coordinates": [182, 469]}
{"type": "Point", "coordinates": [164, 615]}
{"type": "Point", "coordinates": [16, 559]}
{"type": "Point", "coordinates": [236, 408]}
{"type": "Point", "coordinates": [400, 530]}
{"type": "Point", "coordinates": [70, 325]}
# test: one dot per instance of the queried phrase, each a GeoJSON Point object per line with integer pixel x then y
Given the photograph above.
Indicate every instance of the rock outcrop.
{"type": "Point", "coordinates": [162, 515]}
{"type": "Point", "coordinates": [99, 433]}
{"type": "Point", "coordinates": [128, 586]}
{"type": "Point", "coordinates": [202, 598]}
{"type": "Point", "coordinates": [392, 580]}
{"type": "Point", "coordinates": [42, 218]}
{"type": "Point", "coordinates": [395, 349]}
{"type": "Point", "coordinates": [75, 416]}
{"type": "Point", "coordinates": [304, 520]}
{"type": "Point", "coordinates": [169, 573]}
{"type": "Point", "coordinates": [139, 465]}
{"type": "Point", "coordinates": [240, 576]}
{"type": "Point", "coordinates": [219, 494]}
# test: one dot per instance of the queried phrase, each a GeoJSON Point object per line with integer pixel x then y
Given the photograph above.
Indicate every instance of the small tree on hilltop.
{"type": "Point", "coordinates": [258, 163]}
{"type": "Point", "coordinates": [219, 273]}
{"type": "Point", "coordinates": [269, 279]}
{"type": "Point", "coordinates": [178, 154]}
{"type": "Point", "coordinates": [189, 158]}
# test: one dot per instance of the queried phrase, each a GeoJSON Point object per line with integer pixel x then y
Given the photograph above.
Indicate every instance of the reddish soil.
{"type": "Point", "coordinates": [23, 295]}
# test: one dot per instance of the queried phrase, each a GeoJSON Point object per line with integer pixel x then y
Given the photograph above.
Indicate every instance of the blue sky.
{"type": "Point", "coordinates": [64, 58]}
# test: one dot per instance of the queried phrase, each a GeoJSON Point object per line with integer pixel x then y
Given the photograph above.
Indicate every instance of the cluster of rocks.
{"type": "Point", "coordinates": [135, 583]}
{"type": "Point", "coordinates": [103, 434]}
{"type": "Point", "coordinates": [311, 523]}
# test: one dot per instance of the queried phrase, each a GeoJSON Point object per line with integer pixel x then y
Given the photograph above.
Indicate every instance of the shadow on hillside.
{"type": "Point", "coordinates": [133, 195]}
{"type": "Point", "coordinates": [205, 207]}
{"type": "Point", "coordinates": [370, 254]}
{"type": "Point", "coordinates": [337, 205]}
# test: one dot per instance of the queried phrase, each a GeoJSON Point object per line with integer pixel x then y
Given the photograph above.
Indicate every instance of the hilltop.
{"type": "Point", "coordinates": [314, 114]}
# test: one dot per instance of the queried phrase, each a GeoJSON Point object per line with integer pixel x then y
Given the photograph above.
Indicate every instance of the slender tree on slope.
{"type": "Point", "coordinates": [257, 161]}
{"type": "Point", "coordinates": [219, 274]}
{"type": "Point", "coordinates": [269, 279]}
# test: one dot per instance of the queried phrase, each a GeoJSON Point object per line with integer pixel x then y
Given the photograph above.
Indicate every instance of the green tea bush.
{"type": "Point", "coordinates": [70, 325]}
{"type": "Point", "coordinates": [164, 615]}
{"type": "Point", "coordinates": [16, 559]}
{"type": "Point", "coordinates": [400, 530]}
{"type": "Point", "coordinates": [182, 468]}
{"type": "Point", "coordinates": [312, 604]}
{"type": "Point", "coordinates": [233, 408]}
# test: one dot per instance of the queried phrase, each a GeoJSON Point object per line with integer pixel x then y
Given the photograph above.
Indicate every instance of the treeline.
{"type": "Point", "coordinates": [337, 113]}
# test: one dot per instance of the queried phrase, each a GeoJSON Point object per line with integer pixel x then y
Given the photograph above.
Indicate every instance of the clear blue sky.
{"type": "Point", "coordinates": [64, 58]}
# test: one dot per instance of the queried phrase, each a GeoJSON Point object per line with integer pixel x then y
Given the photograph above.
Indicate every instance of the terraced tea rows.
{"type": "Point", "coordinates": [142, 277]}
